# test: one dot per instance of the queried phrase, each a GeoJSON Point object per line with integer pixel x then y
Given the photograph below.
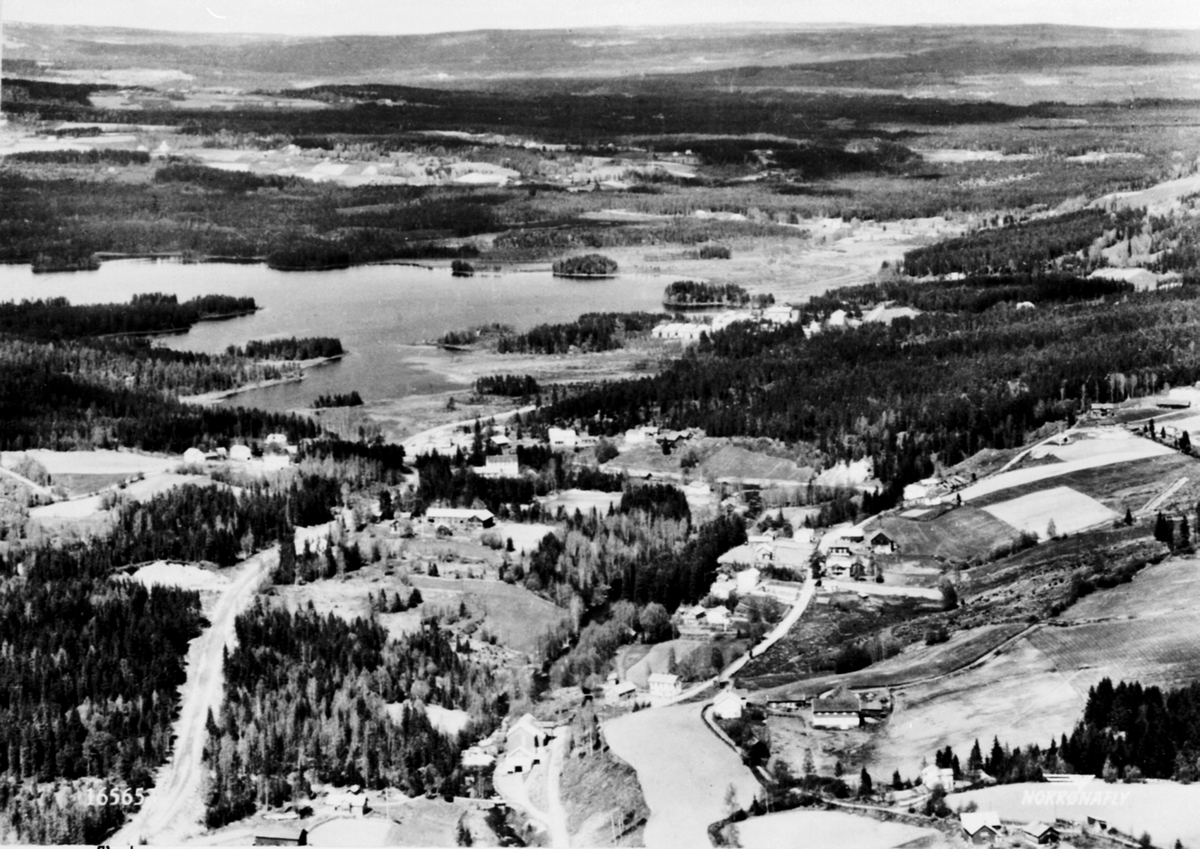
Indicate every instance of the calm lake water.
{"type": "Point", "coordinates": [379, 312]}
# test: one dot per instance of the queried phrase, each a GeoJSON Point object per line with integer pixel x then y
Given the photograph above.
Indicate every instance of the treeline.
{"type": "Point", "coordinates": [1128, 732]}
{"type": "Point", "coordinates": [307, 701]}
{"type": "Point", "coordinates": [591, 332]}
{"type": "Point", "coordinates": [347, 399]}
{"type": "Point", "coordinates": [1029, 246]}
{"type": "Point", "coordinates": [953, 383]}
{"type": "Point", "coordinates": [312, 253]}
{"type": "Point", "coordinates": [975, 294]}
{"type": "Point", "coordinates": [135, 363]}
{"type": "Point", "coordinates": [211, 523]}
{"type": "Point", "coordinates": [588, 265]}
{"type": "Point", "coordinates": [56, 319]}
{"type": "Point", "coordinates": [96, 156]}
{"type": "Point", "coordinates": [307, 348]}
{"type": "Point", "coordinates": [218, 179]}
{"type": "Point", "coordinates": [451, 481]}
{"type": "Point", "coordinates": [41, 407]}
{"type": "Point", "coordinates": [685, 293]}
{"type": "Point", "coordinates": [510, 385]}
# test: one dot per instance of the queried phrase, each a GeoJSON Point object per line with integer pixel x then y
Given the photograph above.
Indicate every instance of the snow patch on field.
{"type": "Point", "coordinates": [1071, 511]}
{"type": "Point", "coordinates": [164, 574]}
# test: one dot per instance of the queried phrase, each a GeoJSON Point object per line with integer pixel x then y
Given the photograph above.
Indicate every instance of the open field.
{"type": "Point", "coordinates": [365, 832]}
{"type": "Point", "coordinates": [583, 500]}
{"type": "Point", "coordinates": [125, 463]}
{"type": "Point", "coordinates": [832, 828]}
{"type": "Point", "coordinates": [512, 613]}
{"type": "Point", "coordinates": [1126, 449]}
{"type": "Point", "coordinates": [684, 771]}
{"type": "Point", "coordinates": [1021, 695]}
{"type": "Point", "coordinates": [1154, 650]}
{"type": "Point", "coordinates": [1127, 485]}
{"type": "Point", "coordinates": [719, 460]}
{"type": "Point", "coordinates": [1166, 810]}
{"type": "Point", "coordinates": [1070, 511]}
{"type": "Point", "coordinates": [957, 534]}
{"type": "Point", "coordinates": [1171, 588]}
{"type": "Point", "coordinates": [914, 663]}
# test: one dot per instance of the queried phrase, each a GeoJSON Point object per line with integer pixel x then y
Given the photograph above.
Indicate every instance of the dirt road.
{"type": "Point", "coordinates": [174, 808]}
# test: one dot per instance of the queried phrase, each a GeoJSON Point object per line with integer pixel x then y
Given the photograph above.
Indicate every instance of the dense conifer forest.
{"type": "Point", "coordinates": [950, 382]}
{"type": "Point", "coordinates": [308, 695]}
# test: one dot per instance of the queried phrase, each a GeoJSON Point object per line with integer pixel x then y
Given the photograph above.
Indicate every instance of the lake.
{"type": "Point", "coordinates": [380, 312]}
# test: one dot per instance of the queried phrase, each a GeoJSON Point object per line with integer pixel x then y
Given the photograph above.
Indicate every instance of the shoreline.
{"type": "Point", "coordinates": [218, 395]}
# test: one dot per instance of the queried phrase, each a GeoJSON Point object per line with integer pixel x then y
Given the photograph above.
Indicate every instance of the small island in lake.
{"type": "Point", "coordinates": [462, 268]}
{"type": "Point", "coordinates": [588, 265]}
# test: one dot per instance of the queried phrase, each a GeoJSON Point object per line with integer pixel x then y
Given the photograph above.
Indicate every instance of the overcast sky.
{"type": "Point", "coordinates": [388, 17]}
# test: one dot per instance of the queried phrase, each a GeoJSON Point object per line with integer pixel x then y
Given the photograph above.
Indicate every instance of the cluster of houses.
{"type": "Point", "coordinates": [689, 332]}
{"type": "Point", "coordinates": [933, 490]}
{"type": "Point", "coordinates": [660, 687]}
{"type": "Point", "coordinates": [277, 453]}
{"type": "Point", "coordinates": [850, 553]}
{"type": "Point", "coordinates": [984, 827]}
{"type": "Point", "coordinates": [525, 743]}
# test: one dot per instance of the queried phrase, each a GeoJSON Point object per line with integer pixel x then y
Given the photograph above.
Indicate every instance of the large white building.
{"type": "Point", "coordinates": [664, 685]}
{"type": "Point", "coordinates": [839, 710]}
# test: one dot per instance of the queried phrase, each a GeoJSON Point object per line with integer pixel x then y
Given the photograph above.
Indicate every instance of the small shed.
{"type": "Point", "coordinates": [1040, 833]}
{"type": "Point", "coordinates": [981, 827]}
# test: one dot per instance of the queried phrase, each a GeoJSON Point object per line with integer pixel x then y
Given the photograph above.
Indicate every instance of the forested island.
{"type": "Point", "coordinates": [588, 265]}
{"type": "Point", "coordinates": [307, 348]}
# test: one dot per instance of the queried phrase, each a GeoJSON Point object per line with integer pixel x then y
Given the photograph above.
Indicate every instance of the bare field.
{"type": "Point", "coordinates": [1103, 453]}
{"type": "Point", "coordinates": [1154, 650]}
{"type": "Point", "coordinates": [684, 771]}
{"type": "Point", "coordinates": [1170, 588]}
{"type": "Point", "coordinates": [832, 828]}
{"type": "Point", "coordinates": [1022, 696]}
{"type": "Point", "coordinates": [1127, 485]}
{"type": "Point", "coordinates": [96, 462]}
{"type": "Point", "coordinates": [1070, 511]}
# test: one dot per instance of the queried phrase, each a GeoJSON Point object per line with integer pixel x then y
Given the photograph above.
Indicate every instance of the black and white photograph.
{"type": "Point", "coordinates": [762, 424]}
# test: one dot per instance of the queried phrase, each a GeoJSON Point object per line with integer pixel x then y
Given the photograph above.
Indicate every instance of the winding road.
{"type": "Point", "coordinates": [174, 808]}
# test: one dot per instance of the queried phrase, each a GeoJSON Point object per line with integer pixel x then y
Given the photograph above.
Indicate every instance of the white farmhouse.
{"type": "Point", "coordinates": [664, 685]}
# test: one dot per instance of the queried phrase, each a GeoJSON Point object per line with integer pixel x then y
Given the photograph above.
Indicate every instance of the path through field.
{"type": "Point", "coordinates": [174, 808]}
